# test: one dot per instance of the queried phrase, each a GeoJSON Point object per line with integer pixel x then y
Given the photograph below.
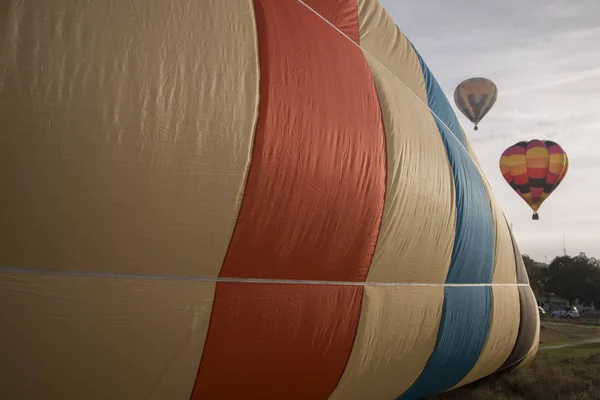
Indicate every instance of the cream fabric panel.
{"type": "Point", "coordinates": [126, 132]}
{"type": "Point", "coordinates": [68, 337]}
{"type": "Point", "coordinates": [505, 320]}
{"type": "Point", "coordinates": [504, 257]}
{"type": "Point", "coordinates": [398, 327]}
{"type": "Point", "coordinates": [417, 231]}
{"type": "Point", "coordinates": [505, 270]}
{"type": "Point", "coordinates": [396, 334]}
{"type": "Point", "coordinates": [504, 325]}
{"type": "Point", "coordinates": [380, 36]}
{"type": "Point", "coordinates": [504, 328]}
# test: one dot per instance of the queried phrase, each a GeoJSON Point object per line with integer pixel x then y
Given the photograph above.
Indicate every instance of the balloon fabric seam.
{"type": "Point", "coordinates": [75, 273]}
{"type": "Point", "coordinates": [454, 135]}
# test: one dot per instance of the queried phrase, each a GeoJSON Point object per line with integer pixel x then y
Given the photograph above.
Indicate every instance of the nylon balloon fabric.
{"type": "Point", "coordinates": [534, 169]}
{"type": "Point", "coordinates": [475, 97]}
{"type": "Point", "coordinates": [258, 199]}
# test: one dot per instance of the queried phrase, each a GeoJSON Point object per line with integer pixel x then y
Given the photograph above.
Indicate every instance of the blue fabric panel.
{"type": "Point", "coordinates": [473, 252]}
{"type": "Point", "coordinates": [463, 332]}
{"type": "Point", "coordinates": [474, 242]}
{"type": "Point", "coordinates": [438, 102]}
{"type": "Point", "coordinates": [467, 310]}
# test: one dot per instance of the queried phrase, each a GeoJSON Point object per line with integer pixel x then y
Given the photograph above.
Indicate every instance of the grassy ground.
{"type": "Point", "coordinates": [555, 332]}
{"type": "Point", "coordinates": [571, 373]}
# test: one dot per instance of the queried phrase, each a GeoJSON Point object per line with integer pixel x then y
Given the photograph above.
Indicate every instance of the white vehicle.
{"type": "Point", "coordinates": [566, 312]}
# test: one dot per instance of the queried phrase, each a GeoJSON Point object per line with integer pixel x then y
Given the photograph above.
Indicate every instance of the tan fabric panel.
{"type": "Point", "coordinates": [504, 326]}
{"type": "Point", "coordinates": [533, 352]}
{"type": "Point", "coordinates": [415, 231]}
{"type": "Point", "coordinates": [502, 335]}
{"type": "Point", "coordinates": [476, 161]}
{"type": "Point", "coordinates": [505, 270]}
{"type": "Point", "coordinates": [504, 258]}
{"type": "Point", "coordinates": [101, 338]}
{"type": "Point", "coordinates": [396, 334]}
{"type": "Point", "coordinates": [536, 345]}
{"type": "Point", "coordinates": [381, 38]}
{"type": "Point", "coordinates": [126, 132]}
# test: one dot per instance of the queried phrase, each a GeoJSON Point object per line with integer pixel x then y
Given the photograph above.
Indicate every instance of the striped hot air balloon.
{"type": "Point", "coordinates": [534, 170]}
{"type": "Point", "coordinates": [475, 97]}
{"type": "Point", "coordinates": [230, 199]}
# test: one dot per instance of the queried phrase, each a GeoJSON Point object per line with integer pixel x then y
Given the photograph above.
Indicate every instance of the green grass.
{"type": "Point", "coordinates": [571, 373]}
{"type": "Point", "coordinates": [568, 353]}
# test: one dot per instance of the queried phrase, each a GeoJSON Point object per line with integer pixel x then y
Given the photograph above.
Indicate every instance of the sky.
{"type": "Point", "coordinates": [544, 56]}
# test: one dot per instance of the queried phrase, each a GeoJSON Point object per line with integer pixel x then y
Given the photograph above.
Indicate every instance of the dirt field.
{"type": "Point", "coordinates": [571, 373]}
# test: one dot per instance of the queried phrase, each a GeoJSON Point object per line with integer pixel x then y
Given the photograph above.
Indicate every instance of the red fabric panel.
{"type": "Point", "coordinates": [314, 197]}
{"type": "Point", "coordinates": [521, 179]}
{"type": "Point", "coordinates": [278, 341]}
{"type": "Point", "coordinates": [537, 172]}
{"type": "Point", "coordinates": [341, 13]}
{"type": "Point", "coordinates": [311, 210]}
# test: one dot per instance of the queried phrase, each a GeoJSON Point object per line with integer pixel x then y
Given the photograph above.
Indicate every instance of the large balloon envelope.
{"type": "Point", "coordinates": [229, 199]}
{"type": "Point", "coordinates": [534, 170]}
{"type": "Point", "coordinates": [475, 97]}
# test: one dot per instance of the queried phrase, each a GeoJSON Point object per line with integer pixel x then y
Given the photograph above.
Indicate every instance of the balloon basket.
{"type": "Point", "coordinates": [535, 216]}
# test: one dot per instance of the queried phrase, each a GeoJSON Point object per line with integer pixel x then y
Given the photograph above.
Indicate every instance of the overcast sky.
{"type": "Point", "coordinates": [544, 56]}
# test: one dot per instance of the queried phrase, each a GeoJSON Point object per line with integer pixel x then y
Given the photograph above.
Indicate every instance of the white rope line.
{"type": "Point", "coordinates": [216, 279]}
{"type": "Point", "coordinates": [394, 76]}
{"type": "Point", "coordinates": [453, 134]}
{"type": "Point", "coordinates": [16, 270]}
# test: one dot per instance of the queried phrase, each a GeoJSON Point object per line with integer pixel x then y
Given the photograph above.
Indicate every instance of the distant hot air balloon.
{"type": "Point", "coordinates": [474, 97]}
{"type": "Point", "coordinates": [534, 169]}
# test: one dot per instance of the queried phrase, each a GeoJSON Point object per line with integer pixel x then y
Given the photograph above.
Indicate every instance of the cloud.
{"type": "Point", "coordinates": [557, 81]}
{"type": "Point", "coordinates": [544, 57]}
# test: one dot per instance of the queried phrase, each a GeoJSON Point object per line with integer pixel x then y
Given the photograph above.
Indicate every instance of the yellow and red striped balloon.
{"type": "Point", "coordinates": [534, 170]}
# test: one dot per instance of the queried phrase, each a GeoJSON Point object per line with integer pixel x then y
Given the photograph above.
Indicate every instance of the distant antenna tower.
{"type": "Point", "coordinates": [564, 245]}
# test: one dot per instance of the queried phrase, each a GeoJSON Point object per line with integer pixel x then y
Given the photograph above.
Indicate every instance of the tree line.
{"type": "Point", "coordinates": [575, 279]}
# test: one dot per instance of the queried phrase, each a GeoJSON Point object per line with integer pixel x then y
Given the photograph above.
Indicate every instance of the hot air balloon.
{"type": "Point", "coordinates": [534, 170]}
{"type": "Point", "coordinates": [475, 97]}
{"type": "Point", "coordinates": [227, 199]}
